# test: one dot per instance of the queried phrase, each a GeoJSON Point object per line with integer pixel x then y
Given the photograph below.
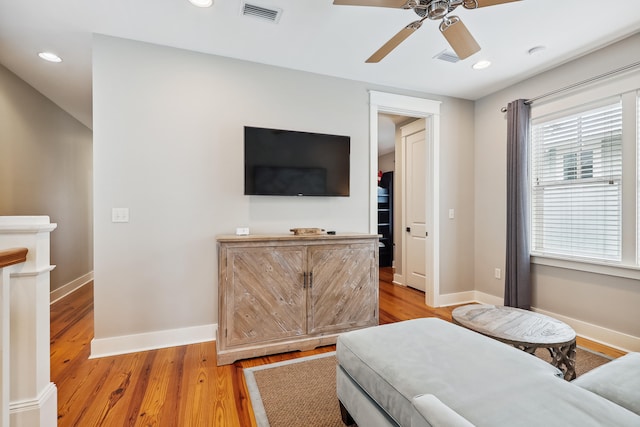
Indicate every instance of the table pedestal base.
{"type": "Point", "coordinates": [563, 357]}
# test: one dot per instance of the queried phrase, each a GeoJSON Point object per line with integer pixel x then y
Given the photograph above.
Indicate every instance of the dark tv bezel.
{"type": "Point", "coordinates": [344, 139]}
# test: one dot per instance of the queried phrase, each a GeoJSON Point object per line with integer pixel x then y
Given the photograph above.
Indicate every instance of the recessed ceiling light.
{"type": "Point", "coordinates": [49, 56]}
{"type": "Point", "coordinates": [536, 49]}
{"type": "Point", "coordinates": [480, 65]}
{"type": "Point", "coordinates": [201, 3]}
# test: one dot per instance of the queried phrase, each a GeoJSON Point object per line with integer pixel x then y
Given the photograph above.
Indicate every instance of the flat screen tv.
{"type": "Point", "coordinates": [290, 163]}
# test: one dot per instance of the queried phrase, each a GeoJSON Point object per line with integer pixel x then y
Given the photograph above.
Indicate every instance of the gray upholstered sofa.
{"type": "Point", "coordinates": [428, 372]}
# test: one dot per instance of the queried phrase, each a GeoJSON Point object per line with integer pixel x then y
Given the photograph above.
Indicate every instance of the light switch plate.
{"type": "Point", "coordinates": [120, 215]}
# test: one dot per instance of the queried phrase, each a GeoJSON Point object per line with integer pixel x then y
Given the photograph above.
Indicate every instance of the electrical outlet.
{"type": "Point", "coordinates": [497, 273]}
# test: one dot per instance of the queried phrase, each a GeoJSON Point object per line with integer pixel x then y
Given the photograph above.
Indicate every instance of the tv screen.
{"type": "Point", "coordinates": [291, 163]}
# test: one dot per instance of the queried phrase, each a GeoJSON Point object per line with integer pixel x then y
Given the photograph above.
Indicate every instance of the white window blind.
{"type": "Point", "coordinates": [576, 184]}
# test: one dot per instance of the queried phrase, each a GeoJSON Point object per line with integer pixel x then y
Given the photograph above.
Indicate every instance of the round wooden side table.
{"type": "Point", "coordinates": [523, 329]}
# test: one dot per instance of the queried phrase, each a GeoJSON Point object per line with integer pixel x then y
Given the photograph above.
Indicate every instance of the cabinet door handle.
{"type": "Point", "coordinates": [310, 279]}
{"type": "Point", "coordinates": [304, 280]}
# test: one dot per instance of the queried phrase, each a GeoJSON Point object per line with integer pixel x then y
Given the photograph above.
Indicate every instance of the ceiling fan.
{"type": "Point", "coordinates": [451, 27]}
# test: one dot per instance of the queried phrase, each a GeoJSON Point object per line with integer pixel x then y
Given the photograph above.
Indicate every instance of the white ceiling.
{"type": "Point", "coordinates": [312, 35]}
{"type": "Point", "coordinates": [387, 125]}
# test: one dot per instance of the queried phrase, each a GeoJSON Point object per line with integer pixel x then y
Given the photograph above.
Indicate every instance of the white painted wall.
{"type": "Point", "coordinates": [602, 301]}
{"type": "Point", "coordinates": [168, 144]}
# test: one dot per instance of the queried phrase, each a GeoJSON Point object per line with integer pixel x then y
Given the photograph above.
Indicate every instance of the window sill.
{"type": "Point", "coordinates": [607, 269]}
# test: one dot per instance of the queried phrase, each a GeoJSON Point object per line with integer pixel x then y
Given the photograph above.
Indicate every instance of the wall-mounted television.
{"type": "Point", "coordinates": [291, 163]}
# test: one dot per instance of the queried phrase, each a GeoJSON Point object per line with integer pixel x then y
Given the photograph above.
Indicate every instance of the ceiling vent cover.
{"type": "Point", "coordinates": [261, 12]}
{"type": "Point", "coordinates": [448, 56]}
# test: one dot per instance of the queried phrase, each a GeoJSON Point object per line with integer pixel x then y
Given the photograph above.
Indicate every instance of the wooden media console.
{"type": "Point", "coordinates": [282, 293]}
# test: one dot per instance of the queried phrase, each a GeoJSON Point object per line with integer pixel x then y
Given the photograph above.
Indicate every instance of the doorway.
{"type": "Point", "coordinates": [381, 102]}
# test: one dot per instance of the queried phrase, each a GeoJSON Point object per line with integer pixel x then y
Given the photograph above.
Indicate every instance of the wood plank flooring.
{"type": "Point", "coordinates": [178, 386]}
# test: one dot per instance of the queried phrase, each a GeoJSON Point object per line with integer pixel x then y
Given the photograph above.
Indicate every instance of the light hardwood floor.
{"type": "Point", "coordinates": [178, 386]}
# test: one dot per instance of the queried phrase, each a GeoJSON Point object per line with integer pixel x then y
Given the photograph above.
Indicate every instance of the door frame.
{"type": "Point", "coordinates": [382, 102]}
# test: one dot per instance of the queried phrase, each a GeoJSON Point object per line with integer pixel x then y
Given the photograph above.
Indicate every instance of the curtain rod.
{"type": "Point", "coordinates": [578, 84]}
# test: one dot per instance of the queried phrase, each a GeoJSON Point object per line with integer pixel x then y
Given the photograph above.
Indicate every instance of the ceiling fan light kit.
{"type": "Point", "coordinates": [451, 27]}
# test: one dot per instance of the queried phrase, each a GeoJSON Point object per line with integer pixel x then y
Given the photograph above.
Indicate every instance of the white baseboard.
{"type": "Point", "coordinates": [592, 332]}
{"type": "Point", "coordinates": [39, 412]}
{"type": "Point", "coordinates": [74, 285]}
{"type": "Point", "coordinates": [102, 347]}
{"type": "Point", "coordinates": [398, 279]}
{"type": "Point", "coordinates": [469, 297]}
{"type": "Point", "coordinates": [457, 298]}
{"type": "Point", "coordinates": [483, 298]}
{"type": "Point", "coordinates": [597, 333]}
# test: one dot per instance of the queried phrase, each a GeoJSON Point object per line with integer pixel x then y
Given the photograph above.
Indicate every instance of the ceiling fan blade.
{"type": "Point", "coordinates": [459, 37]}
{"type": "Point", "coordinates": [376, 3]}
{"type": "Point", "coordinates": [394, 42]}
{"type": "Point", "coordinates": [470, 4]}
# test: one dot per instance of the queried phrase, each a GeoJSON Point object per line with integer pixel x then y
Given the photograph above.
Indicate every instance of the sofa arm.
{"type": "Point", "coordinates": [429, 411]}
{"type": "Point", "coordinates": [617, 381]}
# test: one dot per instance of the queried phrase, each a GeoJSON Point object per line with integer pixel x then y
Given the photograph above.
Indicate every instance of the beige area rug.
{"type": "Point", "coordinates": [295, 393]}
{"type": "Point", "coordinates": [586, 360]}
{"type": "Point", "coordinates": [302, 392]}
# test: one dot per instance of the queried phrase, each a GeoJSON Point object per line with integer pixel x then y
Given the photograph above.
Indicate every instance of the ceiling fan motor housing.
{"type": "Point", "coordinates": [435, 9]}
{"type": "Point", "coordinates": [438, 9]}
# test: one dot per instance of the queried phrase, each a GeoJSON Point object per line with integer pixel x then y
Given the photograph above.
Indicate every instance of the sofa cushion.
{"type": "Point", "coordinates": [394, 363]}
{"type": "Point", "coordinates": [485, 381]}
{"type": "Point", "coordinates": [617, 381]}
{"type": "Point", "coordinates": [431, 412]}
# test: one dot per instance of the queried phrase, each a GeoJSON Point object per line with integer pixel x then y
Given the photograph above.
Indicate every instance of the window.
{"type": "Point", "coordinates": [576, 196]}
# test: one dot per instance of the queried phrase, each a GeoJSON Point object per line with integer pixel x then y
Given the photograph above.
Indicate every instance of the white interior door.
{"type": "Point", "coordinates": [415, 205]}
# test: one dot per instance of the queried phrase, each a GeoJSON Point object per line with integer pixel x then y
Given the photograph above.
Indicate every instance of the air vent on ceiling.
{"type": "Point", "coordinates": [261, 12]}
{"type": "Point", "coordinates": [448, 56]}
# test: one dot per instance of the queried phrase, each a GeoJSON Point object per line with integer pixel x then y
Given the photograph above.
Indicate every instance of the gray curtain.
{"type": "Point", "coordinates": [517, 292]}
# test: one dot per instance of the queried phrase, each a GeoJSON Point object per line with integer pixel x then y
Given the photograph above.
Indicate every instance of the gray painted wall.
{"type": "Point", "coordinates": [597, 299]}
{"type": "Point", "coordinates": [386, 162]}
{"type": "Point", "coordinates": [46, 169]}
{"type": "Point", "coordinates": [168, 132]}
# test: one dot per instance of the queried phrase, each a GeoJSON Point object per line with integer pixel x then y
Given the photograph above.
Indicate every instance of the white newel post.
{"type": "Point", "coordinates": [33, 398]}
{"type": "Point", "coordinates": [4, 353]}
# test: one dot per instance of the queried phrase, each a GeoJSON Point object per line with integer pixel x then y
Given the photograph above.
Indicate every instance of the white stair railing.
{"type": "Point", "coordinates": [28, 397]}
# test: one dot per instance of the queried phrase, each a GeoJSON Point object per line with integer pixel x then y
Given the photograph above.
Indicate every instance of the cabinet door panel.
{"type": "Point", "coordinates": [266, 300]}
{"type": "Point", "coordinates": [343, 294]}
